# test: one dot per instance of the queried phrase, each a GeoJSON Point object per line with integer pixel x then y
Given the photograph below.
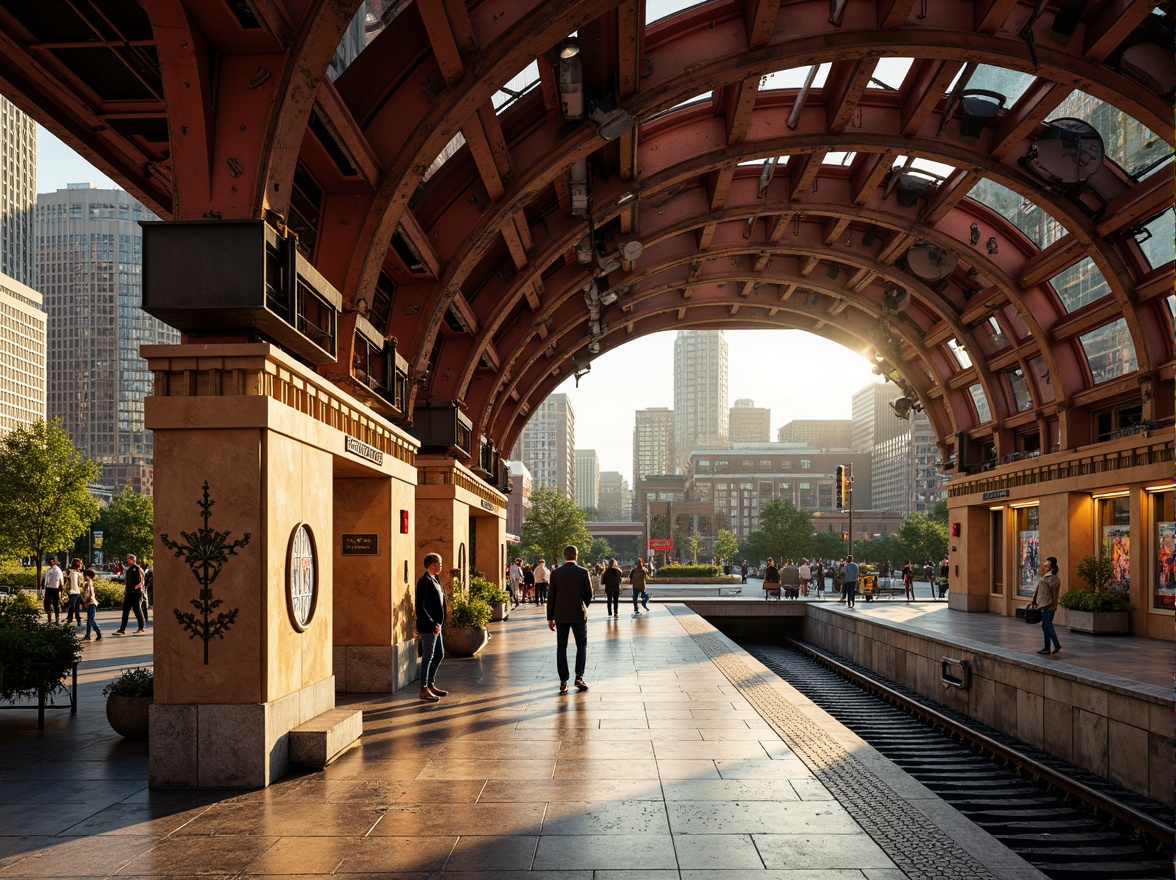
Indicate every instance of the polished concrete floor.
{"type": "Point", "coordinates": [685, 759]}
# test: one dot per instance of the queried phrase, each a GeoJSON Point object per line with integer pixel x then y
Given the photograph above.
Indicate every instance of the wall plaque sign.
{"type": "Point", "coordinates": [486, 505]}
{"type": "Point", "coordinates": [301, 577]}
{"type": "Point", "coordinates": [995, 494]}
{"type": "Point", "coordinates": [361, 545]}
{"type": "Point", "coordinates": [362, 450]}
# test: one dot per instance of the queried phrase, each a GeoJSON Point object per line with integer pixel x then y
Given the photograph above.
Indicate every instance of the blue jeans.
{"type": "Point", "coordinates": [580, 632]}
{"type": "Point", "coordinates": [432, 653]}
{"type": "Point", "coordinates": [1047, 628]}
{"type": "Point", "coordinates": [850, 591]}
{"type": "Point", "coordinates": [74, 610]}
{"type": "Point", "coordinates": [92, 620]}
{"type": "Point", "coordinates": [642, 597]}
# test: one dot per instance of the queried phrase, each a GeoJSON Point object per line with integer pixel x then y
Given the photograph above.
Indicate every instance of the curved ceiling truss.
{"type": "Point", "coordinates": [497, 223]}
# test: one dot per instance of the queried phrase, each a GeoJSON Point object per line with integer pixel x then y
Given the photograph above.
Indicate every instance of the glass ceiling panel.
{"type": "Point", "coordinates": [980, 400]}
{"type": "Point", "coordinates": [780, 163]}
{"type": "Point", "coordinates": [1160, 248]}
{"type": "Point", "coordinates": [890, 73]}
{"type": "Point", "coordinates": [794, 77]}
{"type": "Point", "coordinates": [1110, 351]}
{"type": "Point", "coordinates": [959, 353]}
{"type": "Point", "coordinates": [1082, 283]}
{"type": "Point", "coordinates": [928, 166]}
{"type": "Point", "coordinates": [1042, 380]}
{"type": "Point", "coordinates": [371, 18]}
{"type": "Point", "coordinates": [838, 158]}
{"type": "Point", "coordinates": [1020, 389]}
{"type": "Point", "coordinates": [992, 338]}
{"type": "Point", "coordinates": [656, 10]}
{"type": "Point", "coordinates": [1010, 83]}
{"type": "Point", "coordinates": [516, 87]}
{"type": "Point", "coordinates": [1133, 146]}
{"type": "Point", "coordinates": [1039, 226]}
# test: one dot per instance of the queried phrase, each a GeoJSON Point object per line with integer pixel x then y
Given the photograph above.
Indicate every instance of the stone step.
{"type": "Point", "coordinates": [325, 737]}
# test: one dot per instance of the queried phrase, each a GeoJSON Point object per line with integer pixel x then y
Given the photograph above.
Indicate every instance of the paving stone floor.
{"type": "Point", "coordinates": [686, 759]}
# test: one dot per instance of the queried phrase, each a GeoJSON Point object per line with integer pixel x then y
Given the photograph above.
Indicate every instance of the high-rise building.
{"type": "Point", "coordinates": [615, 502]}
{"type": "Point", "coordinates": [818, 433]}
{"type": "Point", "coordinates": [587, 478]}
{"type": "Point", "coordinates": [89, 254]}
{"type": "Point", "coordinates": [518, 505]}
{"type": "Point", "coordinates": [547, 446]}
{"type": "Point", "coordinates": [700, 392]}
{"type": "Point", "coordinates": [905, 475]}
{"type": "Point", "coordinates": [653, 443]}
{"type": "Point", "coordinates": [749, 423]}
{"type": "Point", "coordinates": [18, 192]}
{"type": "Point", "coordinates": [22, 355]}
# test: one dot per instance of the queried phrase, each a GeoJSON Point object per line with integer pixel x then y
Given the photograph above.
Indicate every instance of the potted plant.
{"type": "Point", "coordinates": [128, 699]}
{"type": "Point", "coordinates": [1099, 608]}
{"type": "Point", "coordinates": [497, 598]}
{"type": "Point", "coordinates": [35, 656]}
{"type": "Point", "coordinates": [465, 628]}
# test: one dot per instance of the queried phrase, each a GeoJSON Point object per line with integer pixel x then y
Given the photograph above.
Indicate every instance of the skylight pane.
{"type": "Point", "coordinates": [1160, 248]}
{"type": "Point", "coordinates": [837, 158]}
{"type": "Point", "coordinates": [890, 73]}
{"type": "Point", "coordinates": [1019, 388]}
{"type": "Point", "coordinates": [1028, 216]}
{"type": "Point", "coordinates": [1010, 83]}
{"type": "Point", "coordinates": [1042, 379]}
{"type": "Point", "coordinates": [451, 148]}
{"type": "Point", "coordinates": [1133, 146]}
{"type": "Point", "coordinates": [794, 77]}
{"type": "Point", "coordinates": [992, 338]}
{"type": "Point", "coordinates": [1110, 351]}
{"type": "Point", "coordinates": [959, 353]}
{"type": "Point", "coordinates": [1082, 283]}
{"type": "Point", "coordinates": [980, 401]}
{"type": "Point", "coordinates": [927, 166]}
{"type": "Point", "coordinates": [656, 10]}
{"type": "Point", "coordinates": [516, 87]}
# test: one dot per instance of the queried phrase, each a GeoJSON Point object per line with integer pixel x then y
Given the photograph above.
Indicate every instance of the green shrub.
{"type": "Point", "coordinates": [33, 654]}
{"type": "Point", "coordinates": [14, 574]}
{"type": "Point", "coordinates": [136, 682]}
{"type": "Point", "coordinates": [469, 611]}
{"type": "Point", "coordinates": [1095, 600]}
{"type": "Point", "coordinates": [1098, 571]}
{"type": "Point", "coordinates": [480, 588]}
{"type": "Point", "coordinates": [692, 571]}
{"type": "Point", "coordinates": [108, 593]}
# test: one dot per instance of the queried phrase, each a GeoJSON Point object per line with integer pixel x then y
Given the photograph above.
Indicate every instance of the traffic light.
{"type": "Point", "coordinates": [842, 486]}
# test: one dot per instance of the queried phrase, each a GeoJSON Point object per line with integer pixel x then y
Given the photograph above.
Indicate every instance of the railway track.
{"type": "Point", "coordinates": [1065, 821]}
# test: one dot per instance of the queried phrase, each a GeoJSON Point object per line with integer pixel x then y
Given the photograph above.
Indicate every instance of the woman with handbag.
{"type": "Point", "coordinates": [1045, 600]}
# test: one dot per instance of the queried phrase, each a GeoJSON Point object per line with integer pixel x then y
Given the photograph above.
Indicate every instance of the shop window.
{"type": "Point", "coordinates": [996, 537]}
{"type": "Point", "coordinates": [1114, 524]}
{"type": "Point", "coordinates": [1118, 421]}
{"type": "Point", "coordinates": [1029, 443]}
{"type": "Point", "coordinates": [1163, 514]}
{"type": "Point", "coordinates": [1028, 549]}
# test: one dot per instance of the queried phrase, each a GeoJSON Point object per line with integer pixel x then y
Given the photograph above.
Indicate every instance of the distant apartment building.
{"type": "Point", "coordinates": [518, 503]}
{"type": "Point", "coordinates": [700, 392]}
{"type": "Point", "coordinates": [615, 504]}
{"type": "Point", "coordinates": [587, 479]}
{"type": "Point", "coordinates": [22, 355]}
{"type": "Point", "coordinates": [89, 254]}
{"type": "Point", "coordinates": [906, 476]}
{"type": "Point", "coordinates": [818, 433]}
{"type": "Point", "coordinates": [547, 446]}
{"type": "Point", "coordinates": [653, 443]}
{"type": "Point", "coordinates": [748, 423]}
{"type": "Point", "coordinates": [18, 192]}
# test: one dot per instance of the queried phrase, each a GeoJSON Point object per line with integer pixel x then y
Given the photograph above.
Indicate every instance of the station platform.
{"type": "Point", "coordinates": [686, 759]}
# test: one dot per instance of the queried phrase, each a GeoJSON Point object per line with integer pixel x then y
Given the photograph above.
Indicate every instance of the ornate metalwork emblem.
{"type": "Point", "coordinates": [301, 577]}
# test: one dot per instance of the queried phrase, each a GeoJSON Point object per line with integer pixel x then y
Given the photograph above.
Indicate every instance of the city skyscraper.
{"type": "Point", "coordinates": [22, 355]}
{"type": "Point", "coordinates": [700, 393]}
{"type": "Point", "coordinates": [749, 423]}
{"type": "Point", "coordinates": [653, 443]}
{"type": "Point", "coordinates": [89, 253]}
{"type": "Point", "coordinates": [905, 475]}
{"type": "Point", "coordinates": [818, 433]}
{"type": "Point", "coordinates": [587, 478]}
{"type": "Point", "coordinates": [615, 501]}
{"type": "Point", "coordinates": [547, 446]}
{"type": "Point", "coordinates": [18, 192]}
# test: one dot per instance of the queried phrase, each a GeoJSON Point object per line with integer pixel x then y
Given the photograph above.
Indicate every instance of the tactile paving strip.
{"type": "Point", "coordinates": [919, 850]}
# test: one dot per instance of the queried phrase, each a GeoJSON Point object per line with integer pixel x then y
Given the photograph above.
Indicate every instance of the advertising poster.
{"type": "Point", "coordinates": [1028, 562]}
{"type": "Point", "coordinates": [1117, 540]}
{"type": "Point", "coordinates": [1165, 565]}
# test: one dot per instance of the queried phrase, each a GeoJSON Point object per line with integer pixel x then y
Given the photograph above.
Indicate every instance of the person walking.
{"type": "Point", "coordinates": [53, 580]}
{"type": "Point", "coordinates": [542, 576]}
{"type": "Point", "coordinates": [132, 596]}
{"type": "Point", "coordinates": [908, 581]}
{"type": "Point", "coordinates": [528, 583]}
{"type": "Point", "coordinates": [743, 572]}
{"type": "Point", "coordinates": [944, 577]}
{"type": "Point", "coordinates": [89, 602]}
{"type": "Point", "coordinates": [73, 582]}
{"type": "Point", "coordinates": [567, 612]}
{"type": "Point", "coordinates": [638, 578]}
{"type": "Point", "coordinates": [851, 579]}
{"type": "Point", "coordinates": [611, 578]}
{"type": "Point", "coordinates": [514, 578]}
{"type": "Point", "coordinates": [430, 617]}
{"type": "Point", "coordinates": [1045, 598]}
{"type": "Point", "coordinates": [819, 579]}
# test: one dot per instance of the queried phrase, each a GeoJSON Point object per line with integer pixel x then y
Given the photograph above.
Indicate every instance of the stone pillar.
{"type": "Point", "coordinates": [491, 545]}
{"type": "Point", "coordinates": [244, 632]}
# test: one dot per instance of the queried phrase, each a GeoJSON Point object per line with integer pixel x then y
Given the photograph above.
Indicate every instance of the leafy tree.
{"type": "Point", "coordinates": [923, 538]}
{"type": "Point", "coordinates": [784, 532]}
{"type": "Point", "coordinates": [43, 499]}
{"type": "Point", "coordinates": [127, 525]}
{"type": "Point", "coordinates": [592, 514]}
{"type": "Point", "coordinates": [553, 523]}
{"type": "Point", "coordinates": [829, 545]}
{"type": "Point", "coordinates": [694, 545]}
{"type": "Point", "coordinates": [726, 545]}
{"type": "Point", "coordinates": [939, 513]}
{"type": "Point", "coordinates": [599, 550]}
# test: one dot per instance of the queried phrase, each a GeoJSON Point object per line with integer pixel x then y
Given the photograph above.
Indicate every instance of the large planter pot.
{"type": "Point", "coordinates": [128, 715]}
{"type": "Point", "coordinates": [499, 611]}
{"type": "Point", "coordinates": [465, 641]}
{"type": "Point", "coordinates": [1100, 623]}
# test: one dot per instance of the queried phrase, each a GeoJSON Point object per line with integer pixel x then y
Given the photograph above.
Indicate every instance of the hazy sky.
{"type": "Point", "coordinates": [796, 374]}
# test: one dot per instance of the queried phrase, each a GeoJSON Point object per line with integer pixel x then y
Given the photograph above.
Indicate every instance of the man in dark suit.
{"type": "Point", "coordinates": [568, 598]}
{"type": "Point", "coordinates": [430, 617]}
